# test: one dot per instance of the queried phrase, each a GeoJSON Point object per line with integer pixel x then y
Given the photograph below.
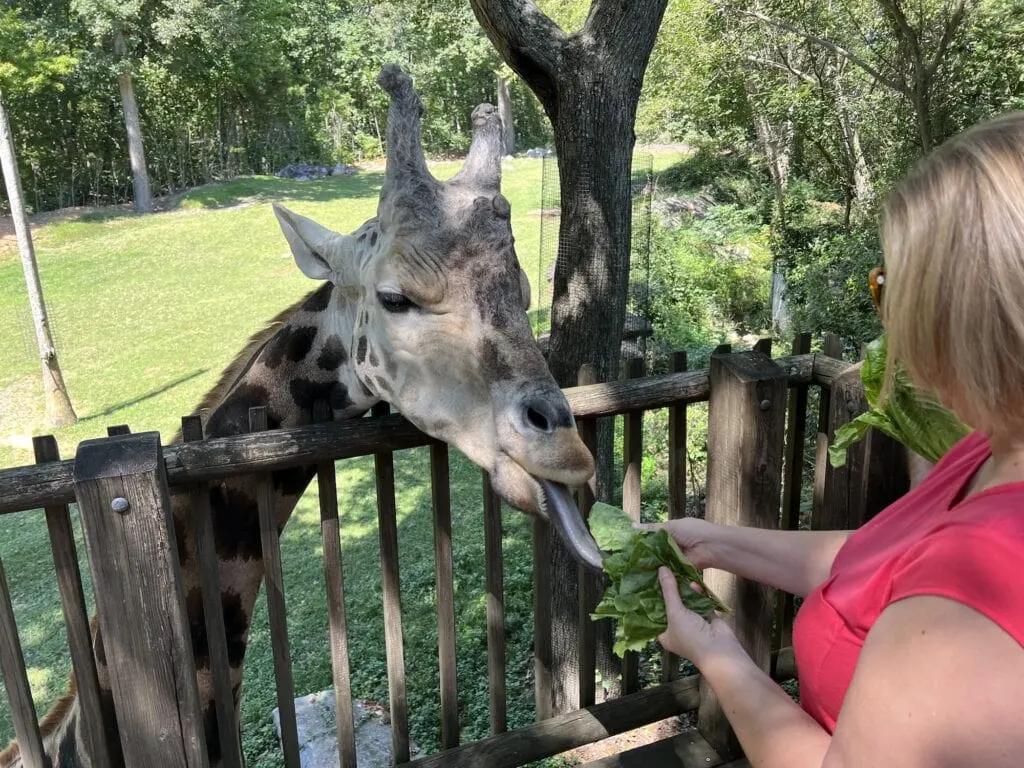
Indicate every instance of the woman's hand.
{"type": "Point", "coordinates": [693, 535]}
{"type": "Point", "coordinates": [688, 634]}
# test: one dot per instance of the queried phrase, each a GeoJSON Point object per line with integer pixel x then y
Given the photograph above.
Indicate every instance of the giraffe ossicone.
{"type": "Point", "coordinates": [423, 306]}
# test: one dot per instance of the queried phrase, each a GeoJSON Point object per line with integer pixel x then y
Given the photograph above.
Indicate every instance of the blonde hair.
{"type": "Point", "coordinates": [953, 236]}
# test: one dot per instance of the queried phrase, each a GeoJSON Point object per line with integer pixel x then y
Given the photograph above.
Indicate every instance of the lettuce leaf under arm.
{"type": "Point", "coordinates": [909, 416]}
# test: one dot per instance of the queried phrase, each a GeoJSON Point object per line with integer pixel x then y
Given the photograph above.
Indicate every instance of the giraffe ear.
{"type": "Point", "coordinates": [314, 247]}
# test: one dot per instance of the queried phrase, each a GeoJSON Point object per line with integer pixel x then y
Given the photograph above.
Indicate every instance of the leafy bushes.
{"type": "Point", "coordinates": [709, 278]}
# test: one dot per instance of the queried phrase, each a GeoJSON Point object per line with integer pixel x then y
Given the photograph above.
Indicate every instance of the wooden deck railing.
{"type": "Point", "coordinates": [122, 484]}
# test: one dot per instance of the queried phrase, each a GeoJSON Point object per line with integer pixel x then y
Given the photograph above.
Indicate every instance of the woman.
{"type": "Point", "coordinates": [910, 641]}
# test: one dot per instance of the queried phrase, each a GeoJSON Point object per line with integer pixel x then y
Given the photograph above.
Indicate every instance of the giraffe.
{"type": "Point", "coordinates": [423, 306]}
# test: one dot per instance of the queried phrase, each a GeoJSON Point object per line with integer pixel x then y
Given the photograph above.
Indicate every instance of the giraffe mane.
{"type": "Point", "coordinates": [237, 368]}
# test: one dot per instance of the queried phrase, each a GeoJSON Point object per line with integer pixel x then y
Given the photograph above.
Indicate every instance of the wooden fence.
{"type": "Point", "coordinates": [757, 432]}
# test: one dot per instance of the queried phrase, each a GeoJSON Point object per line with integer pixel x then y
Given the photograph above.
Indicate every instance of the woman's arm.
{"type": "Point", "coordinates": [937, 685]}
{"type": "Point", "coordinates": [793, 561]}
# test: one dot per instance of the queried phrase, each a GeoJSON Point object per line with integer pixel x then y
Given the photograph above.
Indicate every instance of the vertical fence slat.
{"type": "Point", "coordinates": [213, 610]}
{"type": "Point", "coordinates": [330, 534]}
{"type": "Point", "coordinates": [118, 429]}
{"type": "Point", "coordinates": [792, 483]}
{"type": "Point", "coordinates": [542, 696]}
{"type": "Point", "coordinates": [121, 488]}
{"type": "Point", "coordinates": [440, 497]}
{"type": "Point", "coordinates": [276, 609]}
{"type": "Point", "coordinates": [746, 424]}
{"type": "Point", "coordinates": [76, 617]}
{"type": "Point", "coordinates": [832, 347]}
{"type": "Point", "coordinates": [677, 457]}
{"type": "Point", "coordinates": [494, 565]}
{"type": "Point", "coordinates": [19, 694]}
{"type": "Point", "coordinates": [384, 468]}
{"type": "Point", "coordinates": [632, 459]}
{"type": "Point", "coordinates": [590, 583]}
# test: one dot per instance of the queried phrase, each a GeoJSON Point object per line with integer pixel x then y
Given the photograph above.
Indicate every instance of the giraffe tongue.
{"type": "Point", "coordinates": [567, 519]}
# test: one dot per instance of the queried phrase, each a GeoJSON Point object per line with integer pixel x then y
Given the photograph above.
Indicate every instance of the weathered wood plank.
{"type": "Point", "coordinates": [677, 467]}
{"type": "Point", "coordinates": [213, 611]}
{"type": "Point", "coordinates": [796, 428]}
{"type": "Point", "coordinates": [387, 523]}
{"type": "Point", "coordinates": [277, 612]}
{"type": "Point", "coordinates": [687, 749]}
{"type": "Point", "coordinates": [842, 504]}
{"type": "Point", "coordinates": [25, 488]}
{"type": "Point", "coordinates": [126, 513]}
{"type": "Point", "coordinates": [589, 582]}
{"type": "Point", "coordinates": [76, 617]}
{"type": "Point", "coordinates": [632, 458]}
{"type": "Point", "coordinates": [118, 429]}
{"type": "Point", "coordinates": [440, 496]}
{"type": "Point", "coordinates": [330, 532]}
{"type": "Point", "coordinates": [833, 350]}
{"type": "Point", "coordinates": [746, 425]}
{"type": "Point", "coordinates": [495, 585]}
{"type": "Point", "coordinates": [19, 694]}
{"type": "Point", "coordinates": [542, 696]}
{"type": "Point", "coordinates": [570, 730]}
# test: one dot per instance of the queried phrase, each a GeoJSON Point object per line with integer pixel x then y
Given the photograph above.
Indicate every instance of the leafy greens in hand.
{"type": "Point", "coordinates": [634, 596]}
{"type": "Point", "coordinates": [909, 416]}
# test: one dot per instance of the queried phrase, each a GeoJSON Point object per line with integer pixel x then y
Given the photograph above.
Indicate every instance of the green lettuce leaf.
{"type": "Point", "coordinates": [909, 416]}
{"type": "Point", "coordinates": [633, 599]}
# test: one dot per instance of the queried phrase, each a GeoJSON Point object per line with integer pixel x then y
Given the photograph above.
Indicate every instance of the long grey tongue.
{"type": "Point", "coordinates": [569, 522]}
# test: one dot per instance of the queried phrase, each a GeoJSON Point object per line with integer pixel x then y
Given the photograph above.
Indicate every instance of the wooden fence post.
{"type": "Point", "coordinates": [121, 488]}
{"type": "Point", "coordinates": [843, 504]}
{"type": "Point", "coordinates": [746, 425]}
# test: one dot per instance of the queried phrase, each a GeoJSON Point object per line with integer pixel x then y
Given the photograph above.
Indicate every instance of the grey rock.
{"type": "Point", "coordinates": [318, 741]}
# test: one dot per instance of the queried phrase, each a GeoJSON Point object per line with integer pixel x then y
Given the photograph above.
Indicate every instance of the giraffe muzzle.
{"type": "Point", "coordinates": [566, 517]}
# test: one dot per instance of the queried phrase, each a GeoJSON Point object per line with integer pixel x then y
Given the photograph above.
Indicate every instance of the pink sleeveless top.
{"type": "Point", "coordinates": [930, 542]}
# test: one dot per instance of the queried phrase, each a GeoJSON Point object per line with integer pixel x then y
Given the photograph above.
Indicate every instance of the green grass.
{"type": "Point", "coordinates": [146, 311]}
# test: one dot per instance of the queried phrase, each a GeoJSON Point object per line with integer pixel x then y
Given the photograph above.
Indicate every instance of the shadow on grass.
{"type": "Point", "coordinates": [148, 395]}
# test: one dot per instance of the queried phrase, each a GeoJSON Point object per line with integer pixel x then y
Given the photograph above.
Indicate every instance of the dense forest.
{"type": "Point", "coordinates": [801, 113]}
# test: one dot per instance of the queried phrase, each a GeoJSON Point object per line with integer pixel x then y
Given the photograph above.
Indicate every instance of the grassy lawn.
{"type": "Point", "coordinates": [146, 311]}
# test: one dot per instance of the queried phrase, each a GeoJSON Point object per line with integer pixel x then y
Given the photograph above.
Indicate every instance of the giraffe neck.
{"type": "Point", "coordinates": [307, 359]}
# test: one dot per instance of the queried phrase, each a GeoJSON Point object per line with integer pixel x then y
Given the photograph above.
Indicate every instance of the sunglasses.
{"type": "Point", "coordinates": [876, 282]}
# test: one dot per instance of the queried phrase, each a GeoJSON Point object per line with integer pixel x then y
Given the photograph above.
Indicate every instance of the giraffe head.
{"type": "Point", "coordinates": [437, 305]}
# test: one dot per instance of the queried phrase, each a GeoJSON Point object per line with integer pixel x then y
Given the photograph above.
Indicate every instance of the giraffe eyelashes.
{"type": "Point", "coordinates": [395, 303]}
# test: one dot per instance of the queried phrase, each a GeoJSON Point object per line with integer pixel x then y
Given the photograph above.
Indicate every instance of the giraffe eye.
{"type": "Point", "coordinates": [395, 303]}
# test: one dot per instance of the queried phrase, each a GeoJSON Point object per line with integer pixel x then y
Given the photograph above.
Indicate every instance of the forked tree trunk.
{"type": "Point", "coordinates": [589, 85]}
{"type": "Point", "coordinates": [59, 411]}
{"type": "Point", "coordinates": [136, 152]}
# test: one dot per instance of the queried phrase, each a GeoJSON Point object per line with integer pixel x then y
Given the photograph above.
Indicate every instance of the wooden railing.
{"type": "Point", "coordinates": [123, 483]}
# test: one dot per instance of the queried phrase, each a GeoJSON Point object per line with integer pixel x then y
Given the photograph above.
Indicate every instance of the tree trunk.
{"type": "Point", "coordinates": [589, 85]}
{"type": "Point", "coordinates": [136, 153]}
{"type": "Point", "coordinates": [505, 112]}
{"type": "Point", "coordinates": [59, 411]}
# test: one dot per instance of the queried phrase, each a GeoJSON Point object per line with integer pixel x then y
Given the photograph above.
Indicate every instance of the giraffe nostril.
{"type": "Point", "coordinates": [540, 415]}
{"type": "Point", "coordinates": [538, 420]}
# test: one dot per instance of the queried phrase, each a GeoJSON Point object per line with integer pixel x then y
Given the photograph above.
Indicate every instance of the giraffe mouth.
{"type": "Point", "coordinates": [557, 503]}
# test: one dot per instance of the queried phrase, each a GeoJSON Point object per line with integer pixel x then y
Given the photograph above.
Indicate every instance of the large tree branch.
{"type": "Point", "coordinates": [910, 35]}
{"type": "Point", "coordinates": [762, 62]}
{"type": "Point", "coordinates": [811, 37]}
{"type": "Point", "coordinates": [619, 26]}
{"type": "Point", "coordinates": [952, 24]}
{"type": "Point", "coordinates": [528, 41]}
